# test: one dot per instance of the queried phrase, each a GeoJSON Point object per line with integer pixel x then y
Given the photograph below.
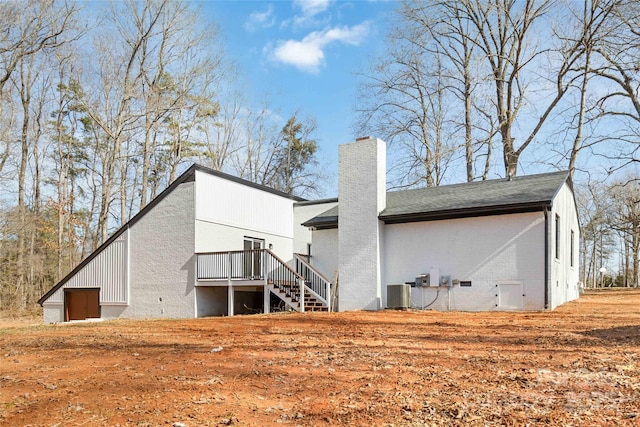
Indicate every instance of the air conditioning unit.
{"type": "Point", "coordinates": [398, 296]}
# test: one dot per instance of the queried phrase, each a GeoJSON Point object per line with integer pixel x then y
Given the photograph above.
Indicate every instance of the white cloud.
{"type": "Point", "coordinates": [260, 19]}
{"type": "Point", "coordinates": [308, 54]}
{"type": "Point", "coordinates": [309, 9]}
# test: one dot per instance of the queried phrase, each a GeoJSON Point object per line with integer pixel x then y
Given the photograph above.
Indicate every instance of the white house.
{"type": "Point", "coordinates": [214, 244]}
{"type": "Point", "coordinates": [506, 244]}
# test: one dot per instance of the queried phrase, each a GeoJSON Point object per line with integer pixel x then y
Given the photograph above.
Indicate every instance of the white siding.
{"type": "Point", "coordinates": [230, 203]}
{"type": "Point", "coordinates": [302, 213]}
{"type": "Point", "coordinates": [213, 237]}
{"type": "Point", "coordinates": [107, 271]}
{"type": "Point", "coordinates": [564, 277]}
{"type": "Point", "coordinates": [483, 250]}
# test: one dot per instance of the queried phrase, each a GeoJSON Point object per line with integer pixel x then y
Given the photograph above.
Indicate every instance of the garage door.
{"type": "Point", "coordinates": [80, 304]}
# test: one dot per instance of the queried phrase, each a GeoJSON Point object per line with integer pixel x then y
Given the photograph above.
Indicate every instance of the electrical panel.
{"type": "Point", "coordinates": [434, 276]}
{"type": "Point", "coordinates": [445, 280]}
{"type": "Point", "coordinates": [422, 280]}
{"type": "Point", "coordinates": [434, 279]}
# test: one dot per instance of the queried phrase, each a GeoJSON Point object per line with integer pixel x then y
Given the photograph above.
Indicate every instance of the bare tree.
{"type": "Point", "coordinates": [170, 75]}
{"type": "Point", "coordinates": [598, 238]}
{"type": "Point", "coordinates": [626, 219]}
{"type": "Point", "coordinates": [221, 133]}
{"type": "Point", "coordinates": [404, 95]}
{"type": "Point", "coordinates": [257, 152]}
{"type": "Point", "coordinates": [275, 155]}
{"type": "Point", "coordinates": [502, 68]}
{"type": "Point", "coordinates": [26, 29]}
{"type": "Point", "coordinates": [157, 71]}
{"type": "Point", "coordinates": [615, 68]}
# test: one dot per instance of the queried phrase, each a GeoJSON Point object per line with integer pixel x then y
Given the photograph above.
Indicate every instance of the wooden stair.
{"type": "Point", "coordinates": [290, 295]}
{"type": "Point", "coordinates": [311, 303]}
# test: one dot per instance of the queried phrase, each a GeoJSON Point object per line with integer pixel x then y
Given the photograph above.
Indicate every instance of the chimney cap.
{"type": "Point", "coordinates": [362, 138]}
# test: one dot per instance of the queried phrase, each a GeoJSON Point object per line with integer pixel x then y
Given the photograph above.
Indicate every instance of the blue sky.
{"type": "Point", "coordinates": [303, 55]}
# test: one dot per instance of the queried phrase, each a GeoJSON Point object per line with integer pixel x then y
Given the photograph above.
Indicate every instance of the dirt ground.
{"type": "Point", "coordinates": [578, 365]}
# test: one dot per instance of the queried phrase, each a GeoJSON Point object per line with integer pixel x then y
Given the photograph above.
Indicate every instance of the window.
{"type": "Point", "coordinates": [572, 247]}
{"type": "Point", "coordinates": [557, 236]}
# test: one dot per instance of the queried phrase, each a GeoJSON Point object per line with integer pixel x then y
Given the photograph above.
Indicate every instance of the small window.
{"type": "Point", "coordinates": [557, 236]}
{"type": "Point", "coordinates": [572, 247]}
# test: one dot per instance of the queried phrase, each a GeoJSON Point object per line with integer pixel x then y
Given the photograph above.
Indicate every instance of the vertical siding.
{"type": "Point", "coordinates": [107, 271]}
{"type": "Point", "coordinates": [226, 202]}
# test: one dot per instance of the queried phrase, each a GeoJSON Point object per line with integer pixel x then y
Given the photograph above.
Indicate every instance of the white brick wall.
{"type": "Point", "coordinates": [483, 250]}
{"type": "Point", "coordinates": [362, 196]}
{"type": "Point", "coordinates": [162, 260]}
{"type": "Point", "coordinates": [564, 277]}
{"type": "Point", "coordinates": [324, 252]}
{"type": "Point", "coordinates": [52, 313]}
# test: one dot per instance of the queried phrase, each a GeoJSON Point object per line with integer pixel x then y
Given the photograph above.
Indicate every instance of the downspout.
{"type": "Point", "coordinates": [546, 257]}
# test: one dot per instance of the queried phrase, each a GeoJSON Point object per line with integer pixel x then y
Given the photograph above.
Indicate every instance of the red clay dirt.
{"type": "Point", "coordinates": [578, 365]}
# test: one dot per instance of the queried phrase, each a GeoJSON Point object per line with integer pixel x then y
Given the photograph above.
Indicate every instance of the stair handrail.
{"type": "Point", "coordinates": [286, 287]}
{"type": "Point", "coordinates": [320, 285]}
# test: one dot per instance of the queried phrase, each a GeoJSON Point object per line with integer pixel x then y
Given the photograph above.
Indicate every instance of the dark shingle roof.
{"type": "Point", "coordinates": [493, 197]}
{"type": "Point", "coordinates": [327, 219]}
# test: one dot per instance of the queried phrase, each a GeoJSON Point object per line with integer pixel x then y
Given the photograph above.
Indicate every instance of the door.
{"type": "Point", "coordinates": [510, 296]}
{"type": "Point", "coordinates": [252, 257]}
{"type": "Point", "coordinates": [81, 304]}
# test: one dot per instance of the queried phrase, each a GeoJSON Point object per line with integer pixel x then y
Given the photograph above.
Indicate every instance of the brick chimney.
{"type": "Point", "coordinates": [362, 196]}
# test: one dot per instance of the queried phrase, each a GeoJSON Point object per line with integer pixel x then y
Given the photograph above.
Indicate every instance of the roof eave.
{"type": "Point", "coordinates": [316, 202]}
{"type": "Point", "coordinates": [464, 213]}
{"type": "Point", "coordinates": [324, 223]}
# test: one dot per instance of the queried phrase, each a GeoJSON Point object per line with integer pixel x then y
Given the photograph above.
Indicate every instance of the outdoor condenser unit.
{"type": "Point", "coordinates": [398, 296]}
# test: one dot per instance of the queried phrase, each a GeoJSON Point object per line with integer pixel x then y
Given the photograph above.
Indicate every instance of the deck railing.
{"type": "Point", "coordinates": [243, 265]}
{"type": "Point", "coordinates": [254, 264]}
{"type": "Point", "coordinates": [315, 281]}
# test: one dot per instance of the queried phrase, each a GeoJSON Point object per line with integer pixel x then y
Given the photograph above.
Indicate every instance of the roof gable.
{"type": "Point", "coordinates": [187, 176]}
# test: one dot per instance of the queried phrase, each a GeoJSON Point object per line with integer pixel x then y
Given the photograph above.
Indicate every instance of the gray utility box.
{"type": "Point", "coordinates": [398, 296]}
